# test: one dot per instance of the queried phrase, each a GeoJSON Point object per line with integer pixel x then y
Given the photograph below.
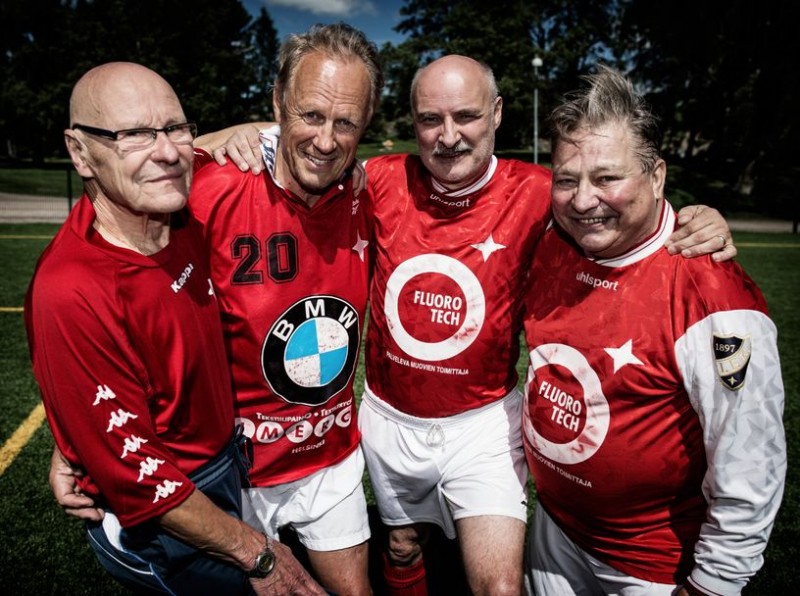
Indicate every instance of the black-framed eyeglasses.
{"type": "Point", "coordinates": [133, 139]}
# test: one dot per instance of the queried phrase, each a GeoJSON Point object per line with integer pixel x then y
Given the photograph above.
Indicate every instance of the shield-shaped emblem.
{"type": "Point", "coordinates": [731, 357]}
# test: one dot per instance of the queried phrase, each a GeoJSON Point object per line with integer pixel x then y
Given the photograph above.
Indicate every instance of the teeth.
{"type": "Point", "coordinates": [593, 220]}
{"type": "Point", "coordinates": [318, 161]}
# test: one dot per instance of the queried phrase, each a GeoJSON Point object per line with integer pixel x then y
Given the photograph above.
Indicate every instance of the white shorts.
{"type": "Point", "coordinates": [556, 565]}
{"type": "Point", "coordinates": [438, 470]}
{"type": "Point", "coordinates": [327, 509]}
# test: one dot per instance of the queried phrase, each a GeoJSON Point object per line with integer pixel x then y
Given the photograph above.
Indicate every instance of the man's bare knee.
{"type": "Point", "coordinates": [500, 586]}
{"type": "Point", "coordinates": [405, 545]}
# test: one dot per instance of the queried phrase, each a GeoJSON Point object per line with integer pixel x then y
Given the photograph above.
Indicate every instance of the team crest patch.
{"type": "Point", "coordinates": [310, 352]}
{"type": "Point", "coordinates": [731, 357]}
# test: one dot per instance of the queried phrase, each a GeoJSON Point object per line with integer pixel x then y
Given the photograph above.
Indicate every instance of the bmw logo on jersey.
{"type": "Point", "coordinates": [311, 350]}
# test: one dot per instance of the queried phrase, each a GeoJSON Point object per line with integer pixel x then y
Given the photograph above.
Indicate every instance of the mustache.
{"type": "Point", "coordinates": [442, 151]}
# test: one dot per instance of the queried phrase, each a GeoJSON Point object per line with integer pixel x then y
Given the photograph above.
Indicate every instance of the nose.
{"type": "Point", "coordinates": [325, 141]}
{"type": "Point", "coordinates": [449, 135]}
{"type": "Point", "coordinates": [164, 149]}
{"type": "Point", "coordinates": [586, 197]}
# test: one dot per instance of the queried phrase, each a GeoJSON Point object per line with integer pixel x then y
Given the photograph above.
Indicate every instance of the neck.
{"type": "Point", "coordinates": [466, 187]}
{"type": "Point", "coordinates": [284, 178]}
{"type": "Point", "coordinates": [145, 233]}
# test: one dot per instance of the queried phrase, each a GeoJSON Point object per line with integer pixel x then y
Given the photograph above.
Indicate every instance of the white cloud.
{"type": "Point", "coordinates": [338, 8]}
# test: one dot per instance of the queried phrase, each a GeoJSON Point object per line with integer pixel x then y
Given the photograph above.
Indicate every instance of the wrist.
{"type": "Point", "coordinates": [264, 562]}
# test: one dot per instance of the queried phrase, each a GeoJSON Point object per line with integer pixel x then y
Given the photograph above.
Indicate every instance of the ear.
{"type": "Point", "coordinates": [659, 178]}
{"type": "Point", "coordinates": [276, 104]}
{"type": "Point", "coordinates": [498, 111]}
{"type": "Point", "coordinates": [78, 152]}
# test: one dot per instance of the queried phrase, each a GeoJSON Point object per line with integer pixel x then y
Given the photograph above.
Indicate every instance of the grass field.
{"type": "Point", "coordinates": [44, 552]}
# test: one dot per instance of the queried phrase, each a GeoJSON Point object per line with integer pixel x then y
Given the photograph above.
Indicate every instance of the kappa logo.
{"type": "Point", "coordinates": [119, 418]}
{"type": "Point", "coordinates": [178, 284]}
{"type": "Point", "coordinates": [104, 393]}
{"type": "Point", "coordinates": [310, 352]}
{"type": "Point", "coordinates": [131, 445]}
{"type": "Point", "coordinates": [731, 358]}
{"type": "Point", "coordinates": [149, 466]}
{"type": "Point", "coordinates": [165, 489]}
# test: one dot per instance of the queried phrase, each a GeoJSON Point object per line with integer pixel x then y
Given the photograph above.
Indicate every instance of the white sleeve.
{"type": "Point", "coordinates": [731, 370]}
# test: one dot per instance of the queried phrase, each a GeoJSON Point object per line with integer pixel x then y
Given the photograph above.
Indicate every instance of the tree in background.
{"type": "Point", "coordinates": [720, 74]}
{"type": "Point", "coordinates": [724, 78]}
{"type": "Point", "coordinates": [261, 55]}
{"type": "Point", "coordinates": [567, 34]}
{"type": "Point", "coordinates": [35, 75]}
{"type": "Point", "coordinates": [217, 60]}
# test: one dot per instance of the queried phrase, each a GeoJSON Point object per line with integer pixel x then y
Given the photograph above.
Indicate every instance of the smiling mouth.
{"type": "Point", "coordinates": [588, 221]}
{"type": "Point", "coordinates": [170, 177]}
{"type": "Point", "coordinates": [319, 161]}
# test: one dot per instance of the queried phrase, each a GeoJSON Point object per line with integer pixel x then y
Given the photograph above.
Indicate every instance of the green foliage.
{"type": "Point", "coordinates": [217, 60]}
{"type": "Point", "coordinates": [721, 82]}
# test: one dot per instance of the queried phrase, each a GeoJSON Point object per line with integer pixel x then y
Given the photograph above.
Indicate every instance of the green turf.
{"type": "Point", "coordinates": [49, 182]}
{"type": "Point", "coordinates": [44, 551]}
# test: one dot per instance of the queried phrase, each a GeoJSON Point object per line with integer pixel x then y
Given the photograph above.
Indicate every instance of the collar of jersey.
{"type": "Point", "coordinates": [446, 194]}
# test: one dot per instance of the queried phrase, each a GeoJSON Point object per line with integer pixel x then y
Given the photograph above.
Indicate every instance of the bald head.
{"type": "Point", "coordinates": [149, 178]}
{"type": "Point", "coordinates": [456, 111]}
{"type": "Point", "coordinates": [112, 95]}
{"type": "Point", "coordinates": [454, 69]}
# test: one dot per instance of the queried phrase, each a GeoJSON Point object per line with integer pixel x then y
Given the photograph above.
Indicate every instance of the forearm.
{"type": "Point", "coordinates": [199, 522]}
{"type": "Point", "coordinates": [215, 139]}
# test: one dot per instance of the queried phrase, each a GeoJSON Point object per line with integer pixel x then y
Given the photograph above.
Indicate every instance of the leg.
{"type": "Point", "coordinates": [404, 569]}
{"type": "Point", "coordinates": [492, 547]}
{"type": "Point", "coordinates": [405, 544]}
{"type": "Point", "coordinates": [404, 476]}
{"type": "Point", "coordinates": [342, 571]}
{"type": "Point", "coordinates": [554, 564]}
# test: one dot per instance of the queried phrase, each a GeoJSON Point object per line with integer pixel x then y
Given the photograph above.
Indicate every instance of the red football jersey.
{"type": "Point", "coordinates": [292, 286]}
{"type": "Point", "coordinates": [652, 423]}
{"type": "Point", "coordinates": [450, 272]}
{"type": "Point", "coordinates": [127, 350]}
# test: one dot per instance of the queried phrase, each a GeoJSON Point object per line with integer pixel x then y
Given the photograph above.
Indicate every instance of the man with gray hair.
{"type": "Point", "coordinates": [290, 263]}
{"type": "Point", "coordinates": [653, 416]}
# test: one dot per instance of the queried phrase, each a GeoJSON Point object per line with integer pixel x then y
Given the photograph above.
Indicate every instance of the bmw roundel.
{"type": "Point", "coordinates": [310, 352]}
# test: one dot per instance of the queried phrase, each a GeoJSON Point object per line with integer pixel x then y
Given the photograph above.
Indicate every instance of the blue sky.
{"type": "Point", "coordinates": [376, 18]}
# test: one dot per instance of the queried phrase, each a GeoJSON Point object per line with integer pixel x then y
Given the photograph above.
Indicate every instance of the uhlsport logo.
{"type": "Point", "coordinates": [311, 350]}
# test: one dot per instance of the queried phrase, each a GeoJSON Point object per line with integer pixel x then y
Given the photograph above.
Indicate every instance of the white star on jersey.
{"type": "Point", "coordinates": [623, 355]}
{"type": "Point", "coordinates": [360, 245]}
{"type": "Point", "coordinates": [487, 247]}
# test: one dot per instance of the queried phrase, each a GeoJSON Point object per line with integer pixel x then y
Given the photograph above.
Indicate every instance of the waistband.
{"type": "Point", "coordinates": [512, 400]}
{"type": "Point", "coordinates": [238, 451]}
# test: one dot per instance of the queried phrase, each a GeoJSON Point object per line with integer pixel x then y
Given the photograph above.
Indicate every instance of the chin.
{"type": "Point", "coordinates": [171, 204]}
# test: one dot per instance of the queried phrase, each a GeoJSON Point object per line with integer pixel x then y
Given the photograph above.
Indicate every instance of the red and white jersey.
{"type": "Point", "coordinates": [652, 423]}
{"type": "Point", "coordinates": [292, 285]}
{"type": "Point", "coordinates": [450, 273]}
{"type": "Point", "coordinates": [128, 353]}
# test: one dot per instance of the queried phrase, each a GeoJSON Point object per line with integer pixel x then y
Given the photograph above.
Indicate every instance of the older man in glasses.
{"type": "Point", "coordinates": [127, 348]}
